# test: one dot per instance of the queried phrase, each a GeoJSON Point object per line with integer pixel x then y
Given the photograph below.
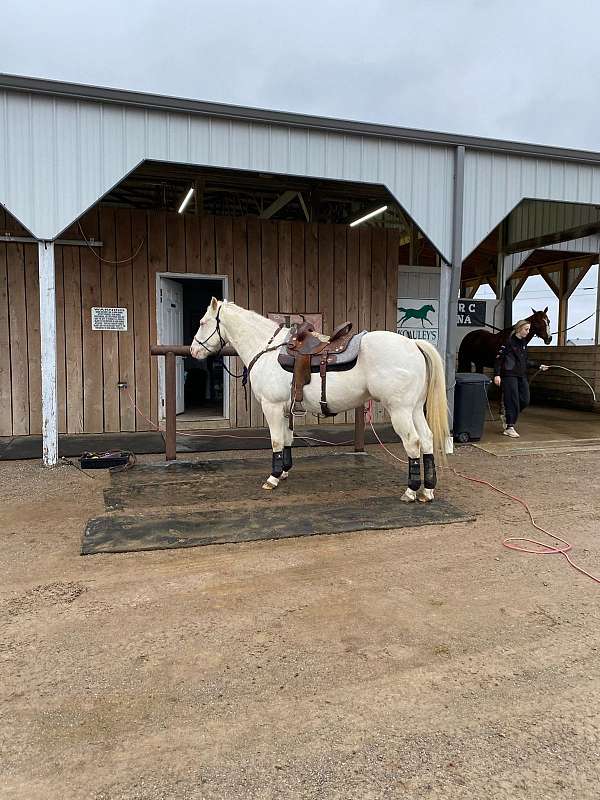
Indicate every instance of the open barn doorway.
{"type": "Point", "coordinates": [202, 386]}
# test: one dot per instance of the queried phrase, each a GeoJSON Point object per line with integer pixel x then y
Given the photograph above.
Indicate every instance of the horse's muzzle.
{"type": "Point", "coordinates": [548, 340]}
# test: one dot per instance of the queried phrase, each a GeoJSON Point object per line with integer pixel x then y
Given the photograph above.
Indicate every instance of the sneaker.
{"type": "Point", "coordinates": [510, 431]}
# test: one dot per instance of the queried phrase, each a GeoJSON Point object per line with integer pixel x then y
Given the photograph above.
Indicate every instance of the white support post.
{"type": "Point", "coordinates": [597, 336]}
{"type": "Point", "coordinates": [48, 353]}
{"type": "Point", "coordinates": [445, 307]}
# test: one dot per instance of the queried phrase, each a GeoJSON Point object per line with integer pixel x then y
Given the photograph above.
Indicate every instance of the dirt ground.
{"type": "Point", "coordinates": [417, 663]}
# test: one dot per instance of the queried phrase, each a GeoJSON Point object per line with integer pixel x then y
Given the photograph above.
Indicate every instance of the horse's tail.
{"type": "Point", "coordinates": [436, 401]}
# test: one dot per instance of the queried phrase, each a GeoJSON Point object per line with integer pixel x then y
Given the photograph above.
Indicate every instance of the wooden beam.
{"type": "Point", "coordinates": [278, 204]}
{"type": "Point", "coordinates": [556, 289]}
{"type": "Point", "coordinates": [563, 304]}
{"type": "Point", "coordinates": [48, 353]}
{"type": "Point", "coordinates": [572, 285]}
{"type": "Point", "coordinates": [518, 284]}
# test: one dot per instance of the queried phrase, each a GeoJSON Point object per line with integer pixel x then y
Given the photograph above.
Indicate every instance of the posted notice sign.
{"type": "Point", "coordinates": [418, 319]}
{"type": "Point", "coordinates": [109, 319]}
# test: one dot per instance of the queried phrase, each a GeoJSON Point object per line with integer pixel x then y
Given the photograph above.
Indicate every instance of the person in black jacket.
{"type": "Point", "coordinates": [510, 372]}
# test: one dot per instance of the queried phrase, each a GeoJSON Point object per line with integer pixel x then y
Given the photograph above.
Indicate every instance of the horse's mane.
{"type": "Point", "coordinates": [230, 306]}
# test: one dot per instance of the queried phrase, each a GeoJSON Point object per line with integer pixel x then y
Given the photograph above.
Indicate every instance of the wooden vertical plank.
{"type": "Point", "coordinates": [192, 244]}
{"type": "Point", "coordinates": [91, 296]}
{"type": "Point", "coordinates": [364, 283]}
{"type": "Point", "coordinates": [208, 262]}
{"type": "Point", "coordinates": [224, 253]}
{"type": "Point", "coordinates": [378, 294]}
{"type": "Point", "coordinates": [339, 282]}
{"type": "Point", "coordinates": [141, 316]}
{"type": "Point", "coordinates": [285, 266]}
{"type": "Point", "coordinates": [311, 261]}
{"type": "Point", "coordinates": [73, 339]}
{"type": "Point", "coordinates": [124, 250]}
{"type": "Point", "coordinates": [18, 338]}
{"type": "Point", "coordinates": [255, 301]}
{"type": "Point", "coordinates": [175, 242]}
{"type": "Point", "coordinates": [326, 276]}
{"type": "Point", "coordinates": [391, 303]}
{"type": "Point", "coordinates": [352, 285]}
{"type": "Point", "coordinates": [298, 268]}
{"type": "Point", "coordinates": [110, 339]}
{"type": "Point", "coordinates": [270, 277]}
{"type": "Point", "coordinates": [340, 311]}
{"type": "Point", "coordinates": [61, 367]}
{"type": "Point", "coordinates": [32, 290]}
{"type": "Point", "coordinates": [6, 428]}
{"type": "Point", "coordinates": [312, 268]}
{"type": "Point", "coordinates": [157, 262]}
{"type": "Point", "coordinates": [240, 295]}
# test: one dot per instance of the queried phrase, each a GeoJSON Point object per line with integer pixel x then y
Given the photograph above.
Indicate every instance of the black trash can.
{"type": "Point", "coordinates": [470, 406]}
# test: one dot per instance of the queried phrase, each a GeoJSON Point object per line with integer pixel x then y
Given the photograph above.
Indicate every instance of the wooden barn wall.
{"type": "Point", "coordinates": [272, 266]}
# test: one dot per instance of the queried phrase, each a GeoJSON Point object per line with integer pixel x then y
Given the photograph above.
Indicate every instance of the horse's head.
{"type": "Point", "coordinates": [540, 325]}
{"type": "Point", "coordinates": [209, 338]}
{"type": "Point", "coordinates": [429, 308]}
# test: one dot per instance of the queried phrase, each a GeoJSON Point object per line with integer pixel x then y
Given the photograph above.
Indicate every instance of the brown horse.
{"type": "Point", "coordinates": [481, 347]}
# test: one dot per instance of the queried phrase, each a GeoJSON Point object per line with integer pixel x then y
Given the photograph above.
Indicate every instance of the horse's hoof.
{"type": "Point", "coordinates": [409, 496]}
{"type": "Point", "coordinates": [271, 483]}
{"type": "Point", "coordinates": [284, 476]}
{"type": "Point", "coordinates": [268, 487]}
{"type": "Point", "coordinates": [425, 496]}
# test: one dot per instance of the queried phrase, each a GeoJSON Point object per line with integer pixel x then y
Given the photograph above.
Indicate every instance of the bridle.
{"type": "Point", "coordinates": [217, 330]}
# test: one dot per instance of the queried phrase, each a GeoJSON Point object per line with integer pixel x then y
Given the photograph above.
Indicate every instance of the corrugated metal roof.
{"type": "Point", "coordinates": [59, 155]}
{"type": "Point", "coordinates": [495, 183]}
{"type": "Point", "coordinates": [63, 146]}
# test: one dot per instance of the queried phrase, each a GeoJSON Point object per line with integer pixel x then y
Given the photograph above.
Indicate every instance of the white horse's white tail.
{"type": "Point", "coordinates": [437, 402]}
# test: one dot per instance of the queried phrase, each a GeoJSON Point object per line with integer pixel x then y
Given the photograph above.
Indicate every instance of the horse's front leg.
{"type": "Point", "coordinates": [276, 421]}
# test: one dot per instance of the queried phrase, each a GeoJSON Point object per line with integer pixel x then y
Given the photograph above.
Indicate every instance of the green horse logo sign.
{"type": "Point", "coordinates": [418, 320]}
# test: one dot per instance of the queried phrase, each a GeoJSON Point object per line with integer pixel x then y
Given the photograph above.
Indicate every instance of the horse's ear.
{"type": "Point", "coordinates": [546, 310]}
{"type": "Point", "coordinates": [533, 309]}
{"type": "Point", "coordinates": [214, 304]}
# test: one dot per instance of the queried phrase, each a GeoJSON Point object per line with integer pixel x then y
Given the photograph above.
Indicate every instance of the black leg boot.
{"type": "Point", "coordinates": [272, 481]}
{"type": "Point", "coordinates": [414, 480]}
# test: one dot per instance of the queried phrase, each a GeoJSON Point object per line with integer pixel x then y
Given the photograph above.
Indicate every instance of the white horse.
{"type": "Point", "coordinates": [406, 375]}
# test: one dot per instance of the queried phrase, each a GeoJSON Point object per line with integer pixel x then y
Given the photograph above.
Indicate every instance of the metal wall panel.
{"type": "Point", "coordinates": [496, 182]}
{"type": "Point", "coordinates": [59, 156]}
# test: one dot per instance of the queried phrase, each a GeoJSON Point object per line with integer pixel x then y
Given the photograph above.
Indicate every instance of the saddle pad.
{"type": "Point", "coordinates": [335, 362]}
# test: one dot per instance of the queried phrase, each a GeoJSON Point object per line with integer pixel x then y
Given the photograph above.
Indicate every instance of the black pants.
{"type": "Point", "coordinates": [516, 397]}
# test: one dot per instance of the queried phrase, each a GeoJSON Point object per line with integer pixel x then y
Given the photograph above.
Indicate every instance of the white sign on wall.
{"type": "Point", "coordinates": [109, 319]}
{"type": "Point", "coordinates": [418, 319]}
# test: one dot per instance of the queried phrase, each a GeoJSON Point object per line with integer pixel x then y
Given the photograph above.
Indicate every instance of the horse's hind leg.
{"type": "Point", "coordinates": [425, 495]}
{"type": "Point", "coordinates": [404, 426]}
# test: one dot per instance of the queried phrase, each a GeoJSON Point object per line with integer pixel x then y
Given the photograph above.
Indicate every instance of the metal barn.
{"type": "Point", "coordinates": [95, 249]}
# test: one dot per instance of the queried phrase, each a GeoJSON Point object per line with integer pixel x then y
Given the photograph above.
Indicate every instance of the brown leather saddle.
{"type": "Point", "coordinates": [306, 352]}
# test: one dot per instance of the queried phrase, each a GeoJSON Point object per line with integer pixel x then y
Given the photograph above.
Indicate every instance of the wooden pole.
{"type": "Point", "coordinates": [171, 406]}
{"type": "Point", "coordinates": [359, 429]}
{"type": "Point", "coordinates": [563, 300]}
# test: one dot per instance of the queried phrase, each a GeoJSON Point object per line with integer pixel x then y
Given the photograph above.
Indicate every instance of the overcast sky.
{"type": "Point", "coordinates": [526, 70]}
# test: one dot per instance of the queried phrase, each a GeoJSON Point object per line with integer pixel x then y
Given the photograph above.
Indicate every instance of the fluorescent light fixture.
{"type": "Point", "coordinates": [186, 200]}
{"type": "Point", "coordinates": [368, 216]}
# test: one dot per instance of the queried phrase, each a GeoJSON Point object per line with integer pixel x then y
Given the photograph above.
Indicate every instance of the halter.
{"type": "Point", "coordinates": [217, 330]}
